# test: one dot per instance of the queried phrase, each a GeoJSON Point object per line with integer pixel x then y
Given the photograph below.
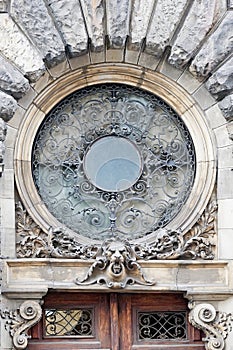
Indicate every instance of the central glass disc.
{"type": "Point", "coordinates": [113, 163]}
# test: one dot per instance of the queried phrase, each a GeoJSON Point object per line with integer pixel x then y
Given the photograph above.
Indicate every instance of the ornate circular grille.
{"type": "Point", "coordinates": [113, 160]}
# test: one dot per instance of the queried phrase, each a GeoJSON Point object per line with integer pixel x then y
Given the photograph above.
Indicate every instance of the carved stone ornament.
{"type": "Point", "coordinates": [3, 131]}
{"type": "Point", "coordinates": [198, 242]}
{"type": "Point", "coordinates": [216, 325]}
{"type": "Point", "coordinates": [19, 321]}
{"type": "Point", "coordinates": [116, 266]}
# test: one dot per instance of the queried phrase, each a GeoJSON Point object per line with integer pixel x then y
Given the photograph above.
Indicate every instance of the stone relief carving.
{"type": "Point", "coordinates": [3, 131]}
{"type": "Point", "coordinates": [116, 261]}
{"type": "Point", "coordinates": [198, 242]}
{"type": "Point", "coordinates": [19, 321]}
{"type": "Point", "coordinates": [116, 266]}
{"type": "Point", "coordinates": [216, 325]}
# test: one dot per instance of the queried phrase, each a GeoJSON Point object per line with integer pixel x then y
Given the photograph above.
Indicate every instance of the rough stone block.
{"type": "Point", "coordinates": [70, 22]}
{"type": "Point", "coordinates": [33, 17]}
{"type": "Point", "coordinates": [218, 46]}
{"type": "Point", "coordinates": [11, 80]}
{"type": "Point", "coordinates": [15, 46]}
{"type": "Point", "coordinates": [8, 106]}
{"type": "Point", "coordinates": [226, 106]}
{"type": "Point", "coordinates": [166, 17]}
{"type": "Point", "coordinates": [220, 83]}
{"type": "Point", "coordinates": [118, 13]}
{"type": "Point", "coordinates": [200, 19]}
{"type": "Point", "coordinates": [140, 18]}
{"type": "Point", "coordinates": [94, 17]}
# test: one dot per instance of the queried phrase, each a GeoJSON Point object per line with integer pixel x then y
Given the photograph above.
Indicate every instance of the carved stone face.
{"type": "Point", "coordinates": [116, 253]}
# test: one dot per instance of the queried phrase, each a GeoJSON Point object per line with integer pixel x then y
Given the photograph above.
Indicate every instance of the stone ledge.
{"type": "Point", "coordinates": [194, 277]}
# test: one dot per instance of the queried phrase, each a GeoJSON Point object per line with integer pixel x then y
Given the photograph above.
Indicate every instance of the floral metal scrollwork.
{"type": "Point", "coordinates": [216, 325]}
{"type": "Point", "coordinates": [21, 320]}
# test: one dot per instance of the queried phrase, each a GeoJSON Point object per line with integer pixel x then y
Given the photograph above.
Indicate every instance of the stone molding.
{"type": "Point", "coordinates": [215, 324]}
{"type": "Point", "coordinates": [19, 321]}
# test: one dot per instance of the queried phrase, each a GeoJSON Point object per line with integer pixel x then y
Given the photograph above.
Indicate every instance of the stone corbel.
{"type": "Point", "coordinates": [3, 131]}
{"type": "Point", "coordinates": [19, 321]}
{"type": "Point", "coordinates": [216, 325]}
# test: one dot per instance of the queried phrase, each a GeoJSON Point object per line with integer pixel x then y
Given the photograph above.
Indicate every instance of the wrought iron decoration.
{"type": "Point", "coordinates": [113, 160]}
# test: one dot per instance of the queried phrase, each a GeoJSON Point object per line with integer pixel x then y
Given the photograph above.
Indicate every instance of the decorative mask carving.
{"type": "Point", "coordinates": [19, 321]}
{"type": "Point", "coordinates": [216, 325]}
{"type": "Point", "coordinates": [3, 131]}
{"type": "Point", "coordinates": [115, 265]}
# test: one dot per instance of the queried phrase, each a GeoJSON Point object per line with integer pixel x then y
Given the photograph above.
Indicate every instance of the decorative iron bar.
{"type": "Point", "coordinates": [113, 160]}
{"type": "Point", "coordinates": [78, 323]}
{"type": "Point", "coordinates": [162, 325]}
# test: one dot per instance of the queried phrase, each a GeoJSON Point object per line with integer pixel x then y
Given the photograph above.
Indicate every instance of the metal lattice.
{"type": "Point", "coordinates": [151, 132]}
{"type": "Point", "coordinates": [78, 323]}
{"type": "Point", "coordinates": [162, 325]}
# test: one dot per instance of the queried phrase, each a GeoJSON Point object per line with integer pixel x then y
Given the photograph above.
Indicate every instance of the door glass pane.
{"type": "Point", "coordinates": [78, 322]}
{"type": "Point", "coordinates": [162, 325]}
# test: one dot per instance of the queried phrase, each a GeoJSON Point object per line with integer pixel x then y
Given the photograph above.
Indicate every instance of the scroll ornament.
{"type": "Point", "coordinates": [216, 325]}
{"type": "Point", "coordinates": [19, 321]}
{"type": "Point", "coordinates": [198, 243]}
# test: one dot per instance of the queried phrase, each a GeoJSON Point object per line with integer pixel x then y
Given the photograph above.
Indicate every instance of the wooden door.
{"type": "Point", "coordinates": [115, 321]}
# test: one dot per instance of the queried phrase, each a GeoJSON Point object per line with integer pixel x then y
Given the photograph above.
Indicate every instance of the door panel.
{"type": "Point", "coordinates": [115, 321]}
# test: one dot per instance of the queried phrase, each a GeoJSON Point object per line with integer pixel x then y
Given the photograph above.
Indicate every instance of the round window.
{"type": "Point", "coordinates": [113, 160]}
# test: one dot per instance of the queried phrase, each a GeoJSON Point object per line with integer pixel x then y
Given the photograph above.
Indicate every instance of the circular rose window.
{"type": "Point", "coordinates": [113, 160]}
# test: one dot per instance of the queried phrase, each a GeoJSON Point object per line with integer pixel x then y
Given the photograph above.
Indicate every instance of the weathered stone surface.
{"type": "Point", "coordinates": [34, 19]}
{"type": "Point", "coordinates": [69, 20]}
{"type": "Point", "coordinates": [165, 19]}
{"type": "Point", "coordinates": [11, 80]}
{"type": "Point", "coordinates": [141, 14]}
{"type": "Point", "coordinates": [220, 83]}
{"type": "Point", "coordinates": [201, 17]}
{"type": "Point", "coordinates": [215, 49]}
{"type": "Point", "coordinates": [8, 106]}
{"type": "Point", "coordinates": [94, 16]}
{"type": "Point", "coordinates": [17, 48]}
{"type": "Point", "coordinates": [3, 6]}
{"type": "Point", "coordinates": [230, 4]}
{"type": "Point", "coordinates": [226, 106]}
{"type": "Point", "coordinates": [118, 13]}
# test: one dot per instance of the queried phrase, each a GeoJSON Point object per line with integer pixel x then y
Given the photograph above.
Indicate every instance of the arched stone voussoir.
{"type": "Point", "coordinates": [34, 19]}
{"type": "Point", "coordinates": [8, 106]}
{"type": "Point", "coordinates": [11, 80]}
{"type": "Point", "coordinates": [220, 83]}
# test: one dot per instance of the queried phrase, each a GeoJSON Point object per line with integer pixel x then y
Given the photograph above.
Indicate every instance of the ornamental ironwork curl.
{"type": "Point", "coordinates": [166, 167]}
